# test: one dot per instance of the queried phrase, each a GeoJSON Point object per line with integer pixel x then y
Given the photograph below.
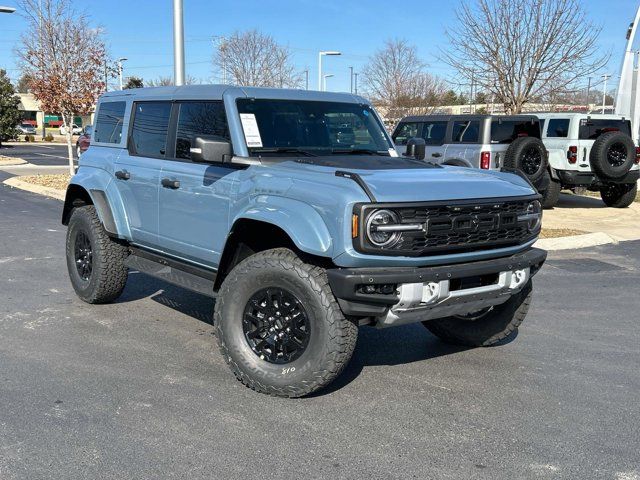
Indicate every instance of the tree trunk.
{"type": "Point", "coordinates": [68, 122]}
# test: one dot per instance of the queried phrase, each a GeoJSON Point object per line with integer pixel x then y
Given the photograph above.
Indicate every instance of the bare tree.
{"type": "Point", "coordinates": [168, 81]}
{"type": "Point", "coordinates": [64, 58]}
{"type": "Point", "coordinates": [522, 49]}
{"type": "Point", "coordinates": [253, 58]}
{"type": "Point", "coordinates": [396, 80]}
{"type": "Point", "coordinates": [134, 82]}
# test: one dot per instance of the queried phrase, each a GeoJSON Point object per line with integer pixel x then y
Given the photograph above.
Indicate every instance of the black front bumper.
{"type": "Point", "coordinates": [346, 282]}
{"type": "Point", "coordinates": [590, 179]}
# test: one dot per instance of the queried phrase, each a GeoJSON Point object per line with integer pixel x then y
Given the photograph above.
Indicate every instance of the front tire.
{"type": "Point", "coordinates": [551, 195]}
{"type": "Point", "coordinates": [95, 262]}
{"type": "Point", "coordinates": [279, 327]}
{"type": "Point", "coordinates": [485, 329]}
{"type": "Point", "coordinates": [619, 195]}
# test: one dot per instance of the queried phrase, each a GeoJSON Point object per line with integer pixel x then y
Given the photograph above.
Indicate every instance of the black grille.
{"type": "Point", "coordinates": [458, 228]}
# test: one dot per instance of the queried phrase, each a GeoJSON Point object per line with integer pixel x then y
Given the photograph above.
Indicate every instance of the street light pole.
{"type": "Point", "coordinates": [351, 79]}
{"type": "Point", "coordinates": [7, 9]}
{"type": "Point", "coordinates": [178, 44]}
{"type": "Point", "coordinates": [306, 79]}
{"type": "Point", "coordinates": [604, 90]}
{"type": "Point", "coordinates": [328, 75]}
{"type": "Point", "coordinates": [320, 55]}
{"type": "Point", "coordinates": [120, 60]}
{"type": "Point", "coordinates": [355, 83]}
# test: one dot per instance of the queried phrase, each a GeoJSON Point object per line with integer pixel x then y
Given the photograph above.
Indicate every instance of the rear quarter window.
{"type": "Point", "coordinates": [434, 132]}
{"type": "Point", "coordinates": [466, 131]}
{"type": "Point", "coordinates": [590, 129]}
{"type": "Point", "coordinates": [558, 128]}
{"type": "Point", "coordinates": [108, 127]}
{"type": "Point", "coordinates": [506, 131]}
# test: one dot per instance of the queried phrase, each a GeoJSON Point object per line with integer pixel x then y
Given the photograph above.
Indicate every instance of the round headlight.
{"type": "Point", "coordinates": [376, 231]}
{"type": "Point", "coordinates": [534, 212]}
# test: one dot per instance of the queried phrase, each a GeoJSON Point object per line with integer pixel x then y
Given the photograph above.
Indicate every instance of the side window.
{"type": "Point", "coordinates": [466, 131]}
{"type": "Point", "coordinates": [558, 128]}
{"type": "Point", "coordinates": [109, 122]}
{"type": "Point", "coordinates": [150, 128]}
{"type": "Point", "coordinates": [199, 119]}
{"type": "Point", "coordinates": [404, 132]}
{"type": "Point", "coordinates": [434, 132]}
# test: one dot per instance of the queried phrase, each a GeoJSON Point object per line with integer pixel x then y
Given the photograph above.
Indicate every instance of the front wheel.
{"type": "Point", "coordinates": [551, 195]}
{"type": "Point", "coordinates": [486, 327]}
{"type": "Point", "coordinates": [95, 261]}
{"type": "Point", "coordinates": [619, 195]}
{"type": "Point", "coordinates": [279, 327]}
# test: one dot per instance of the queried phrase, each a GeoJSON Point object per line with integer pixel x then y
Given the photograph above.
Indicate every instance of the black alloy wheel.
{"type": "Point", "coordinates": [83, 254]}
{"type": "Point", "coordinates": [617, 154]}
{"type": "Point", "coordinates": [531, 161]}
{"type": "Point", "coordinates": [276, 325]}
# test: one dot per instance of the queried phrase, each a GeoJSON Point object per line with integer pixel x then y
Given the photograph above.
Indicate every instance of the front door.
{"type": "Point", "coordinates": [194, 198]}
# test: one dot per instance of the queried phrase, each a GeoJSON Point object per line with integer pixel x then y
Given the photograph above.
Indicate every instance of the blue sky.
{"type": "Point", "coordinates": [142, 31]}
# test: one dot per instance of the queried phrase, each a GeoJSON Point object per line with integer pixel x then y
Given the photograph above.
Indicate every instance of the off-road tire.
{"type": "Point", "coordinates": [600, 160]}
{"type": "Point", "coordinates": [619, 195]}
{"type": "Point", "coordinates": [551, 195]}
{"type": "Point", "coordinates": [109, 273]}
{"type": "Point", "coordinates": [516, 156]}
{"type": "Point", "coordinates": [487, 330]}
{"type": "Point", "coordinates": [332, 337]}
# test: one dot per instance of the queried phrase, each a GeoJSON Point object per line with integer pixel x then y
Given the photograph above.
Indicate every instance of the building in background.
{"type": "Point", "coordinates": [32, 114]}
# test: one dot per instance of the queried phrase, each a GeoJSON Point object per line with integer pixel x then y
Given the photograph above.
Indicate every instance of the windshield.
{"type": "Point", "coordinates": [312, 128]}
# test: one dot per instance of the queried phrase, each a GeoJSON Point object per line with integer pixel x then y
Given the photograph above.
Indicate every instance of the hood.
{"type": "Point", "coordinates": [395, 180]}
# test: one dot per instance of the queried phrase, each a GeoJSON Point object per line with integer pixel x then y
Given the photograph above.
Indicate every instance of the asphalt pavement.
{"type": "Point", "coordinates": [137, 389]}
{"type": "Point", "coordinates": [41, 154]}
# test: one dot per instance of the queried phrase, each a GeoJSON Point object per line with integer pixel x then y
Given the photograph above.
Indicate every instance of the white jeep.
{"type": "Point", "coordinates": [591, 151]}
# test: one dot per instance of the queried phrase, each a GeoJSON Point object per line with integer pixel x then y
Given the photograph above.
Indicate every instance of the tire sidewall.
{"type": "Point", "coordinates": [598, 158]}
{"type": "Point", "coordinates": [80, 221]}
{"type": "Point", "coordinates": [237, 293]}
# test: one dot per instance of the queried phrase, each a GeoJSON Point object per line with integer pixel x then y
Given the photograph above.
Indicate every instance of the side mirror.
{"type": "Point", "coordinates": [210, 149]}
{"type": "Point", "coordinates": [416, 147]}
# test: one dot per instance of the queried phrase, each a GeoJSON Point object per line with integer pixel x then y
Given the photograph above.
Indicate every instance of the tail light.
{"type": "Point", "coordinates": [637, 154]}
{"type": "Point", "coordinates": [572, 154]}
{"type": "Point", "coordinates": [485, 160]}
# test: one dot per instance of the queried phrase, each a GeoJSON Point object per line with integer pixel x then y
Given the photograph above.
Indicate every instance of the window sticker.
{"type": "Point", "coordinates": [251, 130]}
{"type": "Point", "coordinates": [392, 152]}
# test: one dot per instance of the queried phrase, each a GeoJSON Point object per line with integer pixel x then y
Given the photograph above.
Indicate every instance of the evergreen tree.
{"type": "Point", "coordinates": [10, 115]}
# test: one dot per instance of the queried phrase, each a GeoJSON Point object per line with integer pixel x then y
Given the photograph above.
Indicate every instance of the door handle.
{"type": "Point", "coordinates": [123, 175]}
{"type": "Point", "coordinates": [170, 183]}
{"type": "Point", "coordinates": [436, 154]}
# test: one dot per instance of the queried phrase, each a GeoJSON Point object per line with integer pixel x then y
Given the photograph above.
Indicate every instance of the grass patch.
{"type": "Point", "coordinates": [560, 232]}
{"type": "Point", "coordinates": [59, 182]}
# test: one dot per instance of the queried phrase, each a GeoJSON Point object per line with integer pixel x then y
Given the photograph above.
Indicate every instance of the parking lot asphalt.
{"type": "Point", "coordinates": [41, 154]}
{"type": "Point", "coordinates": [137, 389]}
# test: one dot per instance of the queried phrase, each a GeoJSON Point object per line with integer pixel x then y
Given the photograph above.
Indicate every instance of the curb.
{"type": "Point", "coordinates": [9, 161]}
{"type": "Point", "coordinates": [15, 182]}
{"type": "Point", "coordinates": [576, 241]}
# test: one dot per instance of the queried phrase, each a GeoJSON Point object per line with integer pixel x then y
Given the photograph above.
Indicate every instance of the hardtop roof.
{"type": "Point", "coordinates": [466, 116]}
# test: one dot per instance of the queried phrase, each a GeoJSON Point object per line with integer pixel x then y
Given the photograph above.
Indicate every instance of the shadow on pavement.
{"type": "Point", "coordinates": [568, 200]}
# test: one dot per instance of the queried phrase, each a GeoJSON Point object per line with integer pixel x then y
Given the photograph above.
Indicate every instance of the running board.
{"type": "Point", "coordinates": [174, 271]}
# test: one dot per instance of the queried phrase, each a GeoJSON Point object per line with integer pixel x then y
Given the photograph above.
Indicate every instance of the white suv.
{"type": "Point", "coordinates": [591, 151]}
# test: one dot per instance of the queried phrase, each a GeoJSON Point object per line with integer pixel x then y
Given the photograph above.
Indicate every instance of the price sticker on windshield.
{"type": "Point", "coordinates": [251, 130]}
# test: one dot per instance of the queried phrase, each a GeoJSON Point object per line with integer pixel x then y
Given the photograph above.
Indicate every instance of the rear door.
{"type": "Point", "coordinates": [195, 197]}
{"type": "Point", "coordinates": [138, 169]}
{"type": "Point", "coordinates": [465, 139]}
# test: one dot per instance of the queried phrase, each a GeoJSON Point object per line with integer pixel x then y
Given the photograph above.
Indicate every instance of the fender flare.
{"type": "Point", "coordinates": [457, 162]}
{"type": "Point", "coordinates": [301, 222]}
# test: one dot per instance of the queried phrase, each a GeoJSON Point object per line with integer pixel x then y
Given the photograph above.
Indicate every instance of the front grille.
{"type": "Point", "coordinates": [458, 228]}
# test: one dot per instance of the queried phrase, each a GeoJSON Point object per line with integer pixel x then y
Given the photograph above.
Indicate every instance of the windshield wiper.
{"type": "Point", "coordinates": [358, 151]}
{"type": "Point", "coordinates": [284, 150]}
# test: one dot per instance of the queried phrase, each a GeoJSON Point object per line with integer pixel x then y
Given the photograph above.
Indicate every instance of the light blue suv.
{"type": "Point", "coordinates": [294, 211]}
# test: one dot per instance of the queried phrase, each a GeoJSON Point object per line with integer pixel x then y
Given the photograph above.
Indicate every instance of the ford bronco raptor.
{"type": "Point", "coordinates": [293, 210]}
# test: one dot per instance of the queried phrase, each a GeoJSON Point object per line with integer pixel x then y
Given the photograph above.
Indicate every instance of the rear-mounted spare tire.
{"type": "Point", "coordinates": [529, 155]}
{"type": "Point", "coordinates": [612, 155]}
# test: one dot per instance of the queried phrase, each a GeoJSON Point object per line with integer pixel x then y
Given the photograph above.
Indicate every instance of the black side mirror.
{"type": "Point", "coordinates": [416, 147]}
{"type": "Point", "coordinates": [210, 149]}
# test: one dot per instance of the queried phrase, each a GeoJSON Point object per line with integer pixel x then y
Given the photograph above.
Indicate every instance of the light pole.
{"type": "Point", "coordinates": [355, 83]}
{"type": "Point", "coordinates": [351, 79]}
{"type": "Point", "coordinates": [604, 90]}
{"type": "Point", "coordinates": [324, 77]}
{"type": "Point", "coordinates": [306, 79]}
{"type": "Point", "coordinates": [178, 44]}
{"type": "Point", "coordinates": [120, 60]}
{"type": "Point", "coordinates": [320, 55]}
{"type": "Point", "coordinates": [7, 9]}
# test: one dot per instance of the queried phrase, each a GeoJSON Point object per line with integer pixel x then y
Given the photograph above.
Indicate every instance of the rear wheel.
{"type": "Point", "coordinates": [619, 195]}
{"type": "Point", "coordinates": [279, 327]}
{"type": "Point", "coordinates": [486, 327]}
{"type": "Point", "coordinates": [95, 261]}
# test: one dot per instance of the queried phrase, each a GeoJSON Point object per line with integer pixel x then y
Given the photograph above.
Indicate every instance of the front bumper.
{"type": "Point", "coordinates": [423, 293]}
{"type": "Point", "coordinates": [591, 180]}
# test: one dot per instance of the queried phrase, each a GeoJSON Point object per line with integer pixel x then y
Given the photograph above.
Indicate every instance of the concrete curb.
{"type": "Point", "coordinates": [9, 161]}
{"type": "Point", "coordinates": [15, 182]}
{"type": "Point", "coordinates": [576, 241]}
